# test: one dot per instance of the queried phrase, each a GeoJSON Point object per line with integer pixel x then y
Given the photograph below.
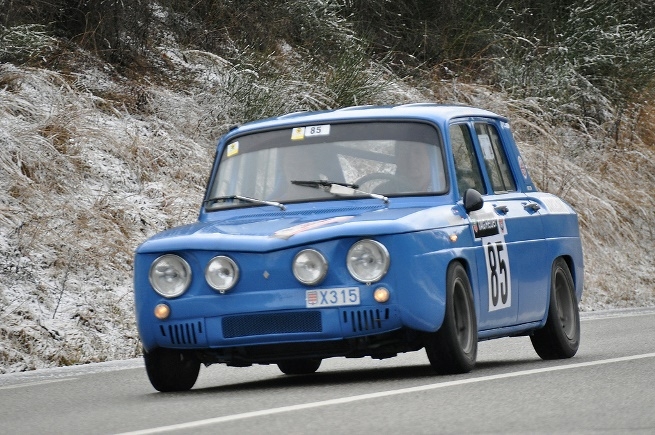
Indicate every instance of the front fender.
{"type": "Point", "coordinates": [421, 275]}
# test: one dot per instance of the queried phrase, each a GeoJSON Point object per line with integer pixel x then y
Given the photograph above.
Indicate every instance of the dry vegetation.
{"type": "Point", "coordinates": [93, 160]}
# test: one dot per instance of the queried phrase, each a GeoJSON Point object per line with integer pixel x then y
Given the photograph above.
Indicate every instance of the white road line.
{"type": "Point", "coordinates": [31, 384]}
{"type": "Point", "coordinates": [340, 401]}
{"type": "Point", "coordinates": [616, 313]}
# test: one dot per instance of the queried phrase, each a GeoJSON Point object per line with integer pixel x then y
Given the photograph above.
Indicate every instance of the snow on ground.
{"type": "Point", "coordinates": [92, 164]}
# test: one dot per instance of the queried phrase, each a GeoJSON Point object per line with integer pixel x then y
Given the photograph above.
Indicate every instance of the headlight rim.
{"type": "Point", "coordinates": [185, 266]}
{"type": "Point", "coordinates": [385, 256]}
{"type": "Point", "coordinates": [235, 268]}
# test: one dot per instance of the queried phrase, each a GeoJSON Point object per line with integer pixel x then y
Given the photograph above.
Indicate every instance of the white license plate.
{"type": "Point", "coordinates": [333, 297]}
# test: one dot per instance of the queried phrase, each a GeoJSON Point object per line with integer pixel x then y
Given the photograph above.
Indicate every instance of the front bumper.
{"type": "Point", "coordinates": [273, 327]}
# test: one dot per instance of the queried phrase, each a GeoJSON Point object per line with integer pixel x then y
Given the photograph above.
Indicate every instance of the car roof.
{"type": "Point", "coordinates": [438, 113]}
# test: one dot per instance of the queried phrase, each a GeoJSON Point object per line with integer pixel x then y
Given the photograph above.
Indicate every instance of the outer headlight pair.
{"type": "Point", "coordinates": [170, 274]}
{"type": "Point", "coordinates": [367, 261]}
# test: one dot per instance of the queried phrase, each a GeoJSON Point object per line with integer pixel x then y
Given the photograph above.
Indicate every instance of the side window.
{"type": "Point", "coordinates": [494, 158]}
{"type": "Point", "coordinates": [466, 165]}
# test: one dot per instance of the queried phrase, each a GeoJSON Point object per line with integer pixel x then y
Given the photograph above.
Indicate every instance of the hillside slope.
{"type": "Point", "coordinates": [94, 162]}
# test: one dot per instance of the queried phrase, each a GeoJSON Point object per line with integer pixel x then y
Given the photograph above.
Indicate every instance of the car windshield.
{"type": "Point", "coordinates": [318, 162]}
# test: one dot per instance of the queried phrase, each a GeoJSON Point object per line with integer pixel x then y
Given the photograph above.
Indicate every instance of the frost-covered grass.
{"type": "Point", "coordinates": [80, 188]}
{"type": "Point", "coordinates": [92, 163]}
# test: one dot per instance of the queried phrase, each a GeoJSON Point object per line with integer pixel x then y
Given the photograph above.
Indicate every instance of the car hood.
{"type": "Point", "coordinates": [261, 231]}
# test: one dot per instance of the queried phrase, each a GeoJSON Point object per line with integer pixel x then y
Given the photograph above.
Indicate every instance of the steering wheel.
{"type": "Point", "coordinates": [383, 176]}
{"type": "Point", "coordinates": [397, 184]}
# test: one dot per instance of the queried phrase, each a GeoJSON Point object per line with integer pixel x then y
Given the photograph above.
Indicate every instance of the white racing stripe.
{"type": "Point", "coordinates": [343, 400]}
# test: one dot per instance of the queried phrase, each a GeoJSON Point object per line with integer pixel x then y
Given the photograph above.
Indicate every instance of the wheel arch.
{"type": "Point", "coordinates": [472, 274]}
{"type": "Point", "coordinates": [577, 281]}
{"type": "Point", "coordinates": [577, 274]}
{"type": "Point", "coordinates": [576, 270]}
{"type": "Point", "coordinates": [570, 250]}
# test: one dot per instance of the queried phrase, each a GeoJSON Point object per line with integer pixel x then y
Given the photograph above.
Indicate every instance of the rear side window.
{"type": "Point", "coordinates": [466, 164]}
{"type": "Point", "coordinates": [495, 158]}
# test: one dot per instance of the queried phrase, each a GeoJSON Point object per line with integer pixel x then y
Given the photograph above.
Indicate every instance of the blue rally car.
{"type": "Point", "coordinates": [364, 231]}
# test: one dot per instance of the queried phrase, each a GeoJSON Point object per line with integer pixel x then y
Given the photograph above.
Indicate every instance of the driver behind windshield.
{"type": "Point", "coordinates": [413, 173]}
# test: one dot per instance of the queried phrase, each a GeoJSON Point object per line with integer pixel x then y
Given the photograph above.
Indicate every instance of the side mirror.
{"type": "Point", "coordinates": [472, 200]}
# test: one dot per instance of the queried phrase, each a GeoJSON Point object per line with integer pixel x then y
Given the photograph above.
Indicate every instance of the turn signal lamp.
{"type": "Point", "coordinates": [162, 311]}
{"type": "Point", "coordinates": [381, 295]}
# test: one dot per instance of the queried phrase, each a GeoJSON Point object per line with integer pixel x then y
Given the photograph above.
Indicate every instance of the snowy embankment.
{"type": "Point", "coordinates": [85, 180]}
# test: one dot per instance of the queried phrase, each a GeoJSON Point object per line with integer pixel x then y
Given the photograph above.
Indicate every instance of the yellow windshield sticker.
{"type": "Point", "coordinates": [298, 133]}
{"type": "Point", "coordinates": [233, 149]}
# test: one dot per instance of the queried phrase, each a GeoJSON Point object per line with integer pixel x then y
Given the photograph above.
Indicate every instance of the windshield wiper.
{"type": "Point", "coordinates": [338, 188]}
{"type": "Point", "coordinates": [322, 183]}
{"type": "Point", "coordinates": [246, 199]}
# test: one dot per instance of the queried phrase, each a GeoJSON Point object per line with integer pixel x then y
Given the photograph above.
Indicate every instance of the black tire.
{"type": "Point", "coordinates": [560, 336]}
{"type": "Point", "coordinates": [454, 347]}
{"type": "Point", "coordinates": [171, 370]}
{"type": "Point", "coordinates": [299, 366]}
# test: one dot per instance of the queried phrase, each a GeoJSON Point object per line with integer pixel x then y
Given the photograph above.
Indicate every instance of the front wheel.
{"type": "Point", "coordinates": [171, 370]}
{"type": "Point", "coordinates": [299, 366]}
{"type": "Point", "coordinates": [560, 337]}
{"type": "Point", "coordinates": [454, 347]}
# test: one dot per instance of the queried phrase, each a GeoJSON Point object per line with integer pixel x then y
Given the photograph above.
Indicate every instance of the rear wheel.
{"type": "Point", "coordinates": [454, 347]}
{"type": "Point", "coordinates": [560, 337]}
{"type": "Point", "coordinates": [299, 366]}
{"type": "Point", "coordinates": [171, 370]}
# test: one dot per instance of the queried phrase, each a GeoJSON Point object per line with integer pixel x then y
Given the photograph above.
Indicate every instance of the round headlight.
{"type": "Point", "coordinates": [309, 267]}
{"type": "Point", "coordinates": [222, 273]}
{"type": "Point", "coordinates": [367, 261]}
{"type": "Point", "coordinates": [170, 275]}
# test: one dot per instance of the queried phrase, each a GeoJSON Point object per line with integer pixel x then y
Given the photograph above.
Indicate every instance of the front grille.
{"type": "Point", "coordinates": [182, 333]}
{"type": "Point", "coordinates": [271, 323]}
{"type": "Point", "coordinates": [365, 320]}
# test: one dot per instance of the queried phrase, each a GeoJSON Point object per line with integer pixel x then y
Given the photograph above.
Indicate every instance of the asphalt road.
{"type": "Point", "coordinates": [608, 387]}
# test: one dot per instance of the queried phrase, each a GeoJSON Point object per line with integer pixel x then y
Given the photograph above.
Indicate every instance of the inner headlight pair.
{"type": "Point", "coordinates": [367, 261]}
{"type": "Point", "coordinates": [309, 267]}
{"type": "Point", "coordinates": [170, 274]}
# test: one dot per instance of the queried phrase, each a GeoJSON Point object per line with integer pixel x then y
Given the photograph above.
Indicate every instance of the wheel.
{"type": "Point", "coordinates": [171, 370]}
{"type": "Point", "coordinates": [560, 337]}
{"type": "Point", "coordinates": [299, 366]}
{"type": "Point", "coordinates": [454, 347]}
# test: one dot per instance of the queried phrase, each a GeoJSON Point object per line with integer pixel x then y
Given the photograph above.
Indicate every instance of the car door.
{"type": "Point", "coordinates": [507, 232]}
